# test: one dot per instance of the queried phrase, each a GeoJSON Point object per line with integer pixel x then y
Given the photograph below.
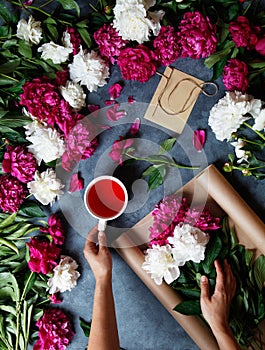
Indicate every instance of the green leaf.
{"type": "Point", "coordinates": [190, 307]}
{"type": "Point", "coordinates": [86, 36]}
{"type": "Point", "coordinates": [9, 67]}
{"type": "Point", "coordinates": [9, 286]}
{"type": "Point", "coordinates": [86, 326]}
{"type": "Point", "coordinates": [259, 271]}
{"type": "Point", "coordinates": [13, 122]}
{"type": "Point", "coordinates": [156, 175]}
{"type": "Point", "coordinates": [8, 221]}
{"type": "Point", "coordinates": [9, 309]}
{"type": "Point", "coordinates": [213, 59]}
{"type": "Point", "coordinates": [31, 209]}
{"type": "Point", "coordinates": [70, 5]}
{"type": "Point", "coordinates": [167, 145]}
{"type": "Point", "coordinates": [5, 14]}
{"type": "Point", "coordinates": [24, 49]}
{"type": "Point", "coordinates": [8, 244]}
{"type": "Point", "coordinates": [213, 249]}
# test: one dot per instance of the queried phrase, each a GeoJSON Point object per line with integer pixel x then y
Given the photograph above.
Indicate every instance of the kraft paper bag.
{"type": "Point", "coordinates": [174, 99]}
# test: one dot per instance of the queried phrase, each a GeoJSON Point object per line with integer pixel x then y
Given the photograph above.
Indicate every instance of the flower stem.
{"type": "Point", "coordinates": [160, 162]}
{"type": "Point", "coordinates": [252, 142]}
{"type": "Point", "coordinates": [256, 131]}
{"type": "Point", "coordinates": [247, 8]}
{"type": "Point", "coordinates": [8, 77]}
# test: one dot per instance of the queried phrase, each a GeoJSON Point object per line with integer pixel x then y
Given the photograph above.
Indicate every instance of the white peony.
{"type": "Point", "coordinates": [188, 243]}
{"type": "Point", "coordinates": [73, 94]}
{"type": "Point", "coordinates": [46, 187]}
{"type": "Point", "coordinates": [89, 69]}
{"type": "Point", "coordinates": [240, 153]}
{"type": "Point", "coordinates": [29, 31]}
{"type": "Point", "coordinates": [58, 54]}
{"type": "Point", "coordinates": [160, 264]}
{"type": "Point", "coordinates": [230, 112]}
{"type": "Point", "coordinates": [260, 121]}
{"type": "Point", "coordinates": [64, 276]}
{"type": "Point", "coordinates": [132, 22]}
{"type": "Point", "coordinates": [47, 144]}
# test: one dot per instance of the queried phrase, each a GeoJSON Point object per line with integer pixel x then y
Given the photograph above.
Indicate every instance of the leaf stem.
{"type": "Point", "coordinates": [256, 131]}
{"type": "Point", "coordinates": [8, 77]}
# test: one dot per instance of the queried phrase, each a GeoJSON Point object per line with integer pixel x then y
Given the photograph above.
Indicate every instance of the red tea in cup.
{"type": "Point", "coordinates": [106, 198]}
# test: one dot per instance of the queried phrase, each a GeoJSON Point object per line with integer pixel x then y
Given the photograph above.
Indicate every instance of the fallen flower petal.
{"type": "Point", "coordinates": [115, 91]}
{"type": "Point", "coordinates": [76, 183]}
{"type": "Point", "coordinates": [131, 99]}
{"type": "Point", "coordinates": [135, 127]}
{"type": "Point", "coordinates": [109, 102]}
{"type": "Point", "coordinates": [113, 114]}
{"type": "Point", "coordinates": [198, 140]}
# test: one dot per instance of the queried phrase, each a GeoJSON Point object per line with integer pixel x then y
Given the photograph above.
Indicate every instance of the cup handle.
{"type": "Point", "coordinates": [102, 224]}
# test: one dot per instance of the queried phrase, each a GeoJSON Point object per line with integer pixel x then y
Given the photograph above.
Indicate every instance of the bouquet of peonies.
{"type": "Point", "coordinates": [240, 119]}
{"type": "Point", "coordinates": [184, 243]}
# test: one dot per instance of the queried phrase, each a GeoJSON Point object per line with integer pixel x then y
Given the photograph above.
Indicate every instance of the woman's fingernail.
{"type": "Point", "coordinates": [203, 279]}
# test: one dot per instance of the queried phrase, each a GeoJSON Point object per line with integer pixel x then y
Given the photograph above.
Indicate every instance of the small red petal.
{"type": "Point", "coordinates": [135, 127]}
{"type": "Point", "coordinates": [76, 183]}
{"type": "Point", "coordinates": [113, 114]}
{"type": "Point", "coordinates": [109, 102]}
{"type": "Point", "coordinates": [131, 99]}
{"type": "Point", "coordinates": [115, 91]}
{"type": "Point", "coordinates": [198, 140]}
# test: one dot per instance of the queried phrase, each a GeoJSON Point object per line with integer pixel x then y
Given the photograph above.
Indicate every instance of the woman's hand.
{"type": "Point", "coordinates": [98, 255]}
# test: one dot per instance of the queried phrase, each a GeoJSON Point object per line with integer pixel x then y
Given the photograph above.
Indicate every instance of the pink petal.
{"type": "Point", "coordinates": [198, 140]}
{"type": "Point", "coordinates": [93, 108]}
{"type": "Point", "coordinates": [115, 91]}
{"type": "Point", "coordinates": [76, 183]}
{"type": "Point", "coordinates": [135, 127]}
{"type": "Point", "coordinates": [131, 99]}
{"type": "Point", "coordinates": [113, 114]}
{"type": "Point", "coordinates": [109, 102]}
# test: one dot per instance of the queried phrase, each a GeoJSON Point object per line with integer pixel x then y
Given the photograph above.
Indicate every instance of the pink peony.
{"type": "Point", "coordinates": [42, 100]}
{"type": "Point", "coordinates": [196, 35]}
{"type": "Point", "coordinates": [172, 211]}
{"type": "Point", "coordinates": [260, 46]}
{"type": "Point", "coordinates": [55, 330]}
{"type": "Point", "coordinates": [235, 75]}
{"type": "Point", "coordinates": [55, 299]}
{"type": "Point", "coordinates": [20, 163]}
{"type": "Point", "coordinates": [12, 193]}
{"type": "Point", "coordinates": [109, 42]}
{"type": "Point", "coordinates": [81, 143]}
{"type": "Point", "coordinates": [243, 34]}
{"type": "Point", "coordinates": [76, 183]}
{"type": "Point", "coordinates": [137, 63]}
{"type": "Point", "coordinates": [75, 39]}
{"type": "Point", "coordinates": [166, 45]}
{"type": "Point", "coordinates": [67, 117]}
{"type": "Point", "coordinates": [61, 77]}
{"type": "Point", "coordinates": [55, 229]}
{"type": "Point", "coordinates": [119, 147]}
{"type": "Point", "coordinates": [43, 256]}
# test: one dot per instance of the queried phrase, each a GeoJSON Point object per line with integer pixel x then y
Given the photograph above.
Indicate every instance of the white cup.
{"type": "Point", "coordinates": [105, 198]}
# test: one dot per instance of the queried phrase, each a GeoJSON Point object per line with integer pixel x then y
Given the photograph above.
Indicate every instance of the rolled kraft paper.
{"type": "Point", "coordinates": [194, 326]}
{"type": "Point", "coordinates": [250, 229]}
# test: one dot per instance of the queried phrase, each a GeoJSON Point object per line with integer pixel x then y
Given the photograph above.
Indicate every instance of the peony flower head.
{"type": "Point", "coordinates": [81, 143]}
{"type": "Point", "coordinates": [20, 163]}
{"type": "Point", "coordinates": [89, 69]}
{"type": "Point", "coordinates": [243, 34]}
{"type": "Point", "coordinates": [29, 31]}
{"type": "Point", "coordinates": [230, 112]}
{"type": "Point", "coordinates": [196, 36]}
{"type": "Point", "coordinates": [75, 39]}
{"type": "Point", "coordinates": [260, 46]}
{"type": "Point", "coordinates": [166, 45]}
{"type": "Point", "coordinates": [58, 54]}
{"type": "Point", "coordinates": [55, 330]}
{"type": "Point", "coordinates": [55, 229]}
{"type": "Point", "coordinates": [46, 187]}
{"type": "Point", "coordinates": [118, 149]}
{"type": "Point", "coordinates": [159, 263]}
{"type": "Point", "coordinates": [65, 276]}
{"type": "Point", "coordinates": [109, 42]}
{"type": "Point", "coordinates": [235, 75]}
{"type": "Point", "coordinates": [188, 243]}
{"type": "Point", "coordinates": [137, 63]}
{"type": "Point", "coordinates": [43, 255]}
{"type": "Point", "coordinates": [46, 143]}
{"type": "Point", "coordinates": [42, 99]}
{"type": "Point", "coordinates": [74, 95]}
{"type": "Point", "coordinates": [12, 193]}
{"type": "Point", "coordinates": [132, 22]}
